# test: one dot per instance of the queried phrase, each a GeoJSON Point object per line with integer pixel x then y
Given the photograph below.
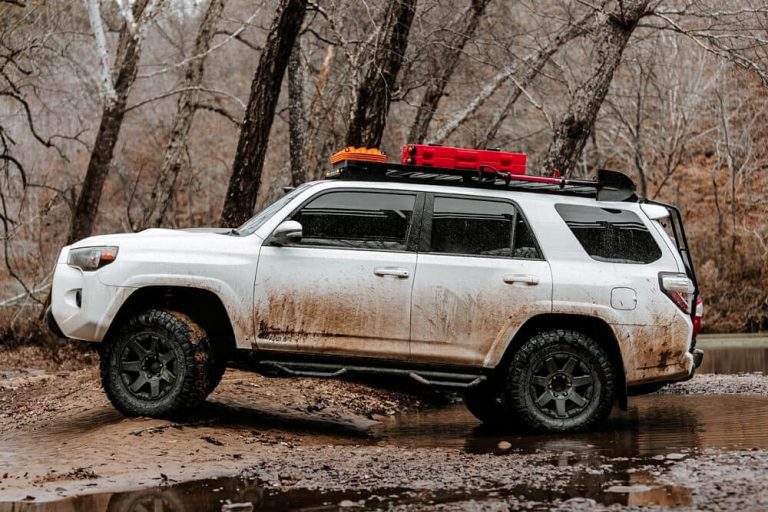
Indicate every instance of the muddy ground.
{"type": "Point", "coordinates": [294, 443]}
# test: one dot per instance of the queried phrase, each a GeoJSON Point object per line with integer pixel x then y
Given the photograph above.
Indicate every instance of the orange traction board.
{"type": "Point", "coordinates": [362, 154]}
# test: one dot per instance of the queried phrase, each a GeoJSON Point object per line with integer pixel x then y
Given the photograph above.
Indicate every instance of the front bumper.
{"type": "Point", "coordinates": [82, 307]}
{"type": "Point", "coordinates": [51, 323]}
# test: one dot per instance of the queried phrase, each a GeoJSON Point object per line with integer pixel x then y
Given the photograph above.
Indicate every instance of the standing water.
{"type": "Point", "coordinates": [734, 353]}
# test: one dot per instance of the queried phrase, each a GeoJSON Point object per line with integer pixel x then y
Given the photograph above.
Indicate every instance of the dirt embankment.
{"type": "Point", "coordinates": [59, 435]}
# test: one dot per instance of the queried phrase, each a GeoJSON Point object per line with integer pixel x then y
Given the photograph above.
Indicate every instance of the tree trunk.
{"type": "Point", "coordinates": [297, 122]}
{"type": "Point", "coordinates": [126, 64]}
{"type": "Point", "coordinates": [612, 34]}
{"type": "Point", "coordinates": [372, 98]}
{"type": "Point", "coordinates": [319, 118]}
{"type": "Point", "coordinates": [447, 61]}
{"type": "Point", "coordinates": [265, 90]}
{"type": "Point", "coordinates": [534, 63]}
{"type": "Point", "coordinates": [185, 111]}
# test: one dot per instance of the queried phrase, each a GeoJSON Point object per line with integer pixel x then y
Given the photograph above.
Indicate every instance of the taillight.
{"type": "Point", "coordinates": [697, 316]}
{"type": "Point", "coordinates": [679, 288]}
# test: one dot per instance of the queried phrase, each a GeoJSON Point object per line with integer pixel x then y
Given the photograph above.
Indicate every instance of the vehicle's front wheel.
{"type": "Point", "coordinates": [158, 363]}
{"type": "Point", "coordinates": [560, 380]}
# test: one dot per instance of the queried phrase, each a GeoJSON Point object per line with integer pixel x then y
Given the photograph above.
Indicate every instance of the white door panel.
{"type": "Point", "coordinates": [334, 301]}
{"type": "Point", "coordinates": [478, 280]}
{"type": "Point", "coordinates": [463, 306]}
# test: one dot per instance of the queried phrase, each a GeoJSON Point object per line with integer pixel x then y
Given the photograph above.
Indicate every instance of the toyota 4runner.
{"type": "Point", "coordinates": [545, 301]}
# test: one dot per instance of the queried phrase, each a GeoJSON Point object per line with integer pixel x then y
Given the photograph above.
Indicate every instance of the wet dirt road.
{"type": "Point", "coordinates": [293, 450]}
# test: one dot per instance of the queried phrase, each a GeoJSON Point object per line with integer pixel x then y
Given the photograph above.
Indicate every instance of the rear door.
{"type": "Point", "coordinates": [345, 289]}
{"type": "Point", "coordinates": [480, 276]}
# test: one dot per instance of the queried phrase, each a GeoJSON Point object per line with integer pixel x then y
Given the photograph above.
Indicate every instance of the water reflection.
{"type": "Point", "coordinates": [731, 360]}
{"type": "Point", "coordinates": [636, 489]}
{"type": "Point", "coordinates": [653, 425]}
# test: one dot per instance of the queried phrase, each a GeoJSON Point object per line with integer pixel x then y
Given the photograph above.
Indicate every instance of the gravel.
{"type": "Point", "coordinates": [713, 384]}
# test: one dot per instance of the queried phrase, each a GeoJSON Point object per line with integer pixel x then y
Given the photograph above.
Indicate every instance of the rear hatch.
{"type": "Point", "coordinates": [669, 221]}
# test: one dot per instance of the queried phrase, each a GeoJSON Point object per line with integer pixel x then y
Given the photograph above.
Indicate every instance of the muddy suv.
{"type": "Point", "coordinates": [543, 303]}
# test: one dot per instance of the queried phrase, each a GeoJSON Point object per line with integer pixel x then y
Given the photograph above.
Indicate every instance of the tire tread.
{"type": "Point", "coordinates": [197, 359]}
{"type": "Point", "coordinates": [513, 397]}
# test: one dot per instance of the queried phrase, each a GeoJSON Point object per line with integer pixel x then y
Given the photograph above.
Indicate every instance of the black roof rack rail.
{"type": "Point", "coordinates": [609, 185]}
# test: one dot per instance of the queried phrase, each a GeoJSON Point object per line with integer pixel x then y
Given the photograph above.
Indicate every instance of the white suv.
{"type": "Point", "coordinates": [543, 304]}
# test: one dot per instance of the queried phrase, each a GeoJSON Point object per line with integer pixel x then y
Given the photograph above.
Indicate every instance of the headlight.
{"type": "Point", "coordinates": [91, 258]}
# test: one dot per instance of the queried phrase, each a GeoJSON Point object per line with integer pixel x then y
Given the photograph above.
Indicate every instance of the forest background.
{"type": "Point", "coordinates": [117, 116]}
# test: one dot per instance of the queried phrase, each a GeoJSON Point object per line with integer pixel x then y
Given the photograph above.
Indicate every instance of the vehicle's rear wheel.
{"type": "Point", "coordinates": [484, 402]}
{"type": "Point", "coordinates": [560, 380]}
{"type": "Point", "coordinates": [158, 363]}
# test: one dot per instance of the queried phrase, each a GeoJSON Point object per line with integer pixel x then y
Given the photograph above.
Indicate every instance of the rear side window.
{"type": "Point", "coordinates": [613, 235]}
{"type": "Point", "coordinates": [480, 227]}
{"type": "Point", "coordinates": [357, 220]}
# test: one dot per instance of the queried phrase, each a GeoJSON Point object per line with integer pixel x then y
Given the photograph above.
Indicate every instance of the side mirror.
{"type": "Point", "coordinates": [289, 232]}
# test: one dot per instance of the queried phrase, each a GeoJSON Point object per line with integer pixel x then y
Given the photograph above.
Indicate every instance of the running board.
{"type": "Point", "coordinates": [426, 377]}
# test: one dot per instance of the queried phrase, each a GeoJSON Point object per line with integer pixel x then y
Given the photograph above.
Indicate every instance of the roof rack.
{"type": "Point", "coordinates": [609, 185]}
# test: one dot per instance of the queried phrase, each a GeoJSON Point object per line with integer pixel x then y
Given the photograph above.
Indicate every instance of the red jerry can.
{"type": "Point", "coordinates": [447, 157]}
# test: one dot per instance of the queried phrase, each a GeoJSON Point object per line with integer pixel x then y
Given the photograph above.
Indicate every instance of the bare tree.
{"type": "Point", "coordinates": [318, 116]}
{"type": "Point", "coordinates": [462, 30]}
{"type": "Point", "coordinates": [651, 120]}
{"type": "Point", "coordinates": [532, 65]}
{"type": "Point", "coordinates": [373, 95]}
{"type": "Point", "coordinates": [265, 90]}
{"type": "Point", "coordinates": [297, 122]}
{"type": "Point", "coordinates": [187, 104]}
{"type": "Point", "coordinates": [612, 33]}
{"type": "Point", "coordinates": [734, 31]}
{"type": "Point", "coordinates": [114, 98]}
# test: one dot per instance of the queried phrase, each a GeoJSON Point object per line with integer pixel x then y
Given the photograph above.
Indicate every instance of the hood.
{"type": "Point", "coordinates": [151, 234]}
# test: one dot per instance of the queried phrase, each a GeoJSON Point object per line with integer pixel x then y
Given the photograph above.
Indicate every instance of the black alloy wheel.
{"type": "Point", "coordinates": [157, 363]}
{"type": "Point", "coordinates": [560, 380]}
{"type": "Point", "coordinates": [563, 384]}
{"type": "Point", "coordinates": [149, 365]}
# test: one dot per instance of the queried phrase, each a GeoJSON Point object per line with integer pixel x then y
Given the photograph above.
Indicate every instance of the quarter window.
{"type": "Point", "coordinates": [480, 227]}
{"type": "Point", "coordinates": [357, 220]}
{"type": "Point", "coordinates": [609, 234]}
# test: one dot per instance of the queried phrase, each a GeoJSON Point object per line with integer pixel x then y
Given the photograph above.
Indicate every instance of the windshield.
{"type": "Point", "coordinates": [258, 220]}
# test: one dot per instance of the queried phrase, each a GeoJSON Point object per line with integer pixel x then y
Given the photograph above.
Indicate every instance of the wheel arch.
{"type": "Point", "coordinates": [594, 327]}
{"type": "Point", "coordinates": [203, 306]}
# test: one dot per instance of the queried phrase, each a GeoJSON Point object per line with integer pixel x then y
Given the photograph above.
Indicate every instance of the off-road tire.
{"type": "Point", "coordinates": [576, 372]}
{"type": "Point", "coordinates": [218, 367]}
{"type": "Point", "coordinates": [169, 351]}
{"type": "Point", "coordinates": [485, 403]}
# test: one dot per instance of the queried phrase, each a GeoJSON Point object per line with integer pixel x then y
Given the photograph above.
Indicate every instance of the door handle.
{"type": "Point", "coordinates": [392, 271]}
{"type": "Point", "coordinates": [521, 278]}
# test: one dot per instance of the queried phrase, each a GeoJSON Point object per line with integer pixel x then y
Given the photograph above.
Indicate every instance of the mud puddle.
{"type": "Point", "coordinates": [654, 425]}
{"type": "Point", "coordinates": [620, 464]}
{"type": "Point", "coordinates": [236, 494]}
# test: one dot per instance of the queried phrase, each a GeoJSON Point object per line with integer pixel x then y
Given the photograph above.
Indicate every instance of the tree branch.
{"type": "Point", "coordinates": [212, 49]}
{"type": "Point", "coordinates": [219, 110]}
{"type": "Point", "coordinates": [183, 89]}
{"type": "Point", "coordinates": [239, 37]}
